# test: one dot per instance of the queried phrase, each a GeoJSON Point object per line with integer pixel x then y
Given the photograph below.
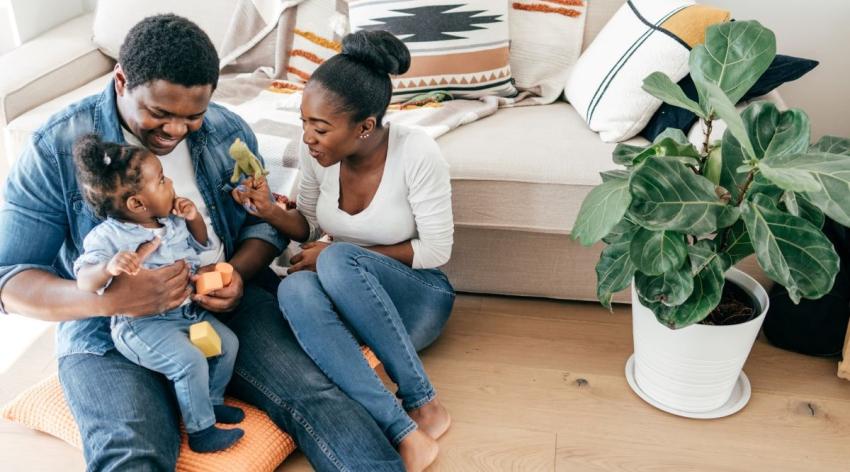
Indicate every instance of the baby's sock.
{"type": "Point", "coordinates": [228, 414]}
{"type": "Point", "coordinates": [214, 439]}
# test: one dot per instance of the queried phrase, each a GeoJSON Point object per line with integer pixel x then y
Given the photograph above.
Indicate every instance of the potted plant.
{"type": "Point", "coordinates": [677, 218]}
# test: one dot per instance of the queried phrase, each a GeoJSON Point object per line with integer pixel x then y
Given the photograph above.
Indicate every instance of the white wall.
{"type": "Point", "coordinates": [7, 36]}
{"type": "Point", "coordinates": [816, 29]}
{"type": "Point", "coordinates": [33, 17]}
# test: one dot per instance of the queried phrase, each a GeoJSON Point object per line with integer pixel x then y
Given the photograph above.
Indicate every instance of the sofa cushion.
{"type": "Point", "coordinates": [459, 48]}
{"type": "Point", "coordinates": [525, 168]}
{"type": "Point", "coordinates": [114, 18]}
{"type": "Point", "coordinates": [643, 37]}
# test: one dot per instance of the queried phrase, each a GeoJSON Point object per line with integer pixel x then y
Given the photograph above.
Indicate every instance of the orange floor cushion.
{"type": "Point", "coordinates": [264, 447]}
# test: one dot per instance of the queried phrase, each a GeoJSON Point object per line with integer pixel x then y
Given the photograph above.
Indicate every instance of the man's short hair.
{"type": "Point", "coordinates": [168, 47]}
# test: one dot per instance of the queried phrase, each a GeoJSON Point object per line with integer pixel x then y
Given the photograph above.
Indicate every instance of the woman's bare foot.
{"type": "Point", "coordinates": [433, 418]}
{"type": "Point", "coordinates": [418, 451]}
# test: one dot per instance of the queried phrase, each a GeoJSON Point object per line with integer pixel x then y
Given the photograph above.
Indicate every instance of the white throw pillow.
{"type": "Point", "coordinates": [644, 36]}
{"type": "Point", "coordinates": [114, 18]}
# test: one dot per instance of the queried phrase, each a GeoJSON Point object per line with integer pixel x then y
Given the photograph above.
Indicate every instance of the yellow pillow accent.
{"type": "Point", "coordinates": [43, 408]}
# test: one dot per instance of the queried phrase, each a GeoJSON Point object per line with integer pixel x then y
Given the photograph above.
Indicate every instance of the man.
{"type": "Point", "coordinates": [160, 98]}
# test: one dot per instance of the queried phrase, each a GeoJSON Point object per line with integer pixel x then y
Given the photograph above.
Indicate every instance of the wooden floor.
{"type": "Point", "coordinates": [538, 385]}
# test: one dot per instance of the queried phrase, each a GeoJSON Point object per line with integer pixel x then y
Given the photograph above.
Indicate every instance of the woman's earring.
{"type": "Point", "coordinates": [364, 136]}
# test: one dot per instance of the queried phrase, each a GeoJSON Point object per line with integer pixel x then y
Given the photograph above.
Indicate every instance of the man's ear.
{"type": "Point", "coordinates": [120, 80]}
{"type": "Point", "coordinates": [135, 205]}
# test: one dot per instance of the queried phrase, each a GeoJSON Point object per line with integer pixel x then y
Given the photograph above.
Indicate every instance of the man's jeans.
{"type": "Point", "coordinates": [127, 414]}
{"type": "Point", "coordinates": [161, 343]}
{"type": "Point", "coordinates": [357, 295]}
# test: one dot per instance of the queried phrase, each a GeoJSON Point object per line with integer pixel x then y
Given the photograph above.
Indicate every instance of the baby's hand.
{"type": "Point", "coordinates": [184, 208]}
{"type": "Point", "coordinates": [126, 262]}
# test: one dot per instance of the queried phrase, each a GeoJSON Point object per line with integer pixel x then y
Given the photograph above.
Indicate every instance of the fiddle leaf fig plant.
{"type": "Point", "coordinates": [678, 216]}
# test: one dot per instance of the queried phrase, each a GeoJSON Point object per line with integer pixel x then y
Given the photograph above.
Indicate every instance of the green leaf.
{"type": "Point", "coordinates": [801, 172]}
{"type": "Point", "coordinates": [713, 169]}
{"type": "Point", "coordinates": [791, 250]}
{"type": "Point", "coordinates": [614, 271]}
{"type": "Point", "coordinates": [675, 134]}
{"type": "Point", "coordinates": [725, 110]}
{"type": "Point", "coordinates": [832, 145]}
{"type": "Point", "coordinates": [774, 132]}
{"type": "Point", "coordinates": [625, 229]}
{"type": "Point", "coordinates": [603, 208]}
{"type": "Point", "coordinates": [656, 252]}
{"type": "Point", "coordinates": [670, 288]}
{"type": "Point", "coordinates": [667, 195]}
{"type": "Point", "coordinates": [810, 212]}
{"type": "Point", "coordinates": [624, 154]}
{"type": "Point", "coordinates": [708, 288]}
{"type": "Point", "coordinates": [789, 199]}
{"type": "Point", "coordinates": [659, 85]}
{"type": "Point", "coordinates": [617, 174]}
{"type": "Point", "coordinates": [734, 56]}
{"type": "Point", "coordinates": [737, 245]}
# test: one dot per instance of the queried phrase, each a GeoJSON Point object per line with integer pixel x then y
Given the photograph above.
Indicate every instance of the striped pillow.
{"type": "Point", "coordinates": [458, 46]}
{"type": "Point", "coordinates": [644, 36]}
{"type": "Point", "coordinates": [314, 39]}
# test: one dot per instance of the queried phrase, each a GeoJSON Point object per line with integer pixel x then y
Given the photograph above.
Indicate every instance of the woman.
{"type": "Point", "coordinates": [383, 194]}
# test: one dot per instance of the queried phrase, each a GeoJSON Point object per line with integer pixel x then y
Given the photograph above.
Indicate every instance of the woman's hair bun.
{"type": "Point", "coordinates": [378, 50]}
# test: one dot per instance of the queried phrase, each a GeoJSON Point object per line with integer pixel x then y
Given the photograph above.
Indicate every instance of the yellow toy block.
{"type": "Point", "coordinates": [226, 271]}
{"type": "Point", "coordinates": [207, 282]}
{"type": "Point", "coordinates": [205, 338]}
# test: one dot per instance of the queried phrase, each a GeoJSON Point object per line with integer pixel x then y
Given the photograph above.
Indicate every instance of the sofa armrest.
{"type": "Point", "coordinates": [48, 66]}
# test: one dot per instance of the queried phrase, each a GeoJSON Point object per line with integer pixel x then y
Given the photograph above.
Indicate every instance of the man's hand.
{"type": "Point", "coordinates": [149, 291]}
{"type": "Point", "coordinates": [185, 208]}
{"type": "Point", "coordinates": [224, 299]}
{"type": "Point", "coordinates": [306, 259]}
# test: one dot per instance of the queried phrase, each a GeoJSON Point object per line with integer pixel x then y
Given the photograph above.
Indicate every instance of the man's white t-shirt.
{"type": "Point", "coordinates": [177, 165]}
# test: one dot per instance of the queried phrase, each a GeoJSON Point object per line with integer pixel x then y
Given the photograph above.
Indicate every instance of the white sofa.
{"type": "Point", "coordinates": [518, 180]}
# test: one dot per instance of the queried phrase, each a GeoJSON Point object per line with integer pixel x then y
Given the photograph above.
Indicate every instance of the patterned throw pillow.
{"type": "Point", "coordinates": [644, 36]}
{"type": "Point", "coordinates": [458, 46]}
{"type": "Point", "coordinates": [546, 38]}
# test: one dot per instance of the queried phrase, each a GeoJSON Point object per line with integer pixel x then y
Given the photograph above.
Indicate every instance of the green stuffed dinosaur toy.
{"type": "Point", "coordinates": [246, 162]}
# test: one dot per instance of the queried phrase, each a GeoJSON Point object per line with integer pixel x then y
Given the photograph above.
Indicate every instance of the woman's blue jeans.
{"type": "Point", "coordinates": [357, 295]}
{"type": "Point", "coordinates": [128, 416]}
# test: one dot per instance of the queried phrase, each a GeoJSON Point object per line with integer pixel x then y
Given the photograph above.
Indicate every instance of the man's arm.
{"type": "Point", "coordinates": [33, 227]}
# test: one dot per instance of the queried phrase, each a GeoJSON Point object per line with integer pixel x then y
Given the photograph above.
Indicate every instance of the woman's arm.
{"type": "Point", "coordinates": [402, 252]}
{"type": "Point", "coordinates": [430, 198]}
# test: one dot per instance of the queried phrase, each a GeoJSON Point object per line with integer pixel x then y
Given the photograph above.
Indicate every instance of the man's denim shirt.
{"type": "Point", "coordinates": [45, 219]}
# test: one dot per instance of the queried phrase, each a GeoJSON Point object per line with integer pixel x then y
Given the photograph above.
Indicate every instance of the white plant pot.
{"type": "Point", "coordinates": [693, 371]}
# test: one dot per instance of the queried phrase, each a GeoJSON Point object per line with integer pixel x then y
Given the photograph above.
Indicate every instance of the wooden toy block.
{"type": "Point", "coordinates": [226, 271]}
{"type": "Point", "coordinates": [205, 338]}
{"type": "Point", "coordinates": [844, 365]}
{"type": "Point", "coordinates": [207, 282]}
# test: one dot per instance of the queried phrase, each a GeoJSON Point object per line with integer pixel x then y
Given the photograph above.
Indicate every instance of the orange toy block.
{"type": "Point", "coordinates": [207, 282]}
{"type": "Point", "coordinates": [226, 271]}
{"type": "Point", "coordinates": [203, 336]}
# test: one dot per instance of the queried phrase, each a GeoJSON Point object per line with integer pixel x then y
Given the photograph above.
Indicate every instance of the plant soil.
{"type": "Point", "coordinates": [736, 306]}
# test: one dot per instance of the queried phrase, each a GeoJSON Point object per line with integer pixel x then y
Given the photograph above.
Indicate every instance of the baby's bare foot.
{"type": "Point", "coordinates": [433, 418]}
{"type": "Point", "coordinates": [418, 451]}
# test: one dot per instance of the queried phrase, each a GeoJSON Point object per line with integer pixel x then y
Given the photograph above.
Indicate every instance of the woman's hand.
{"type": "Point", "coordinates": [224, 299]}
{"type": "Point", "coordinates": [255, 197]}
{"type": "Point", "coordinates": [306, 259]}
